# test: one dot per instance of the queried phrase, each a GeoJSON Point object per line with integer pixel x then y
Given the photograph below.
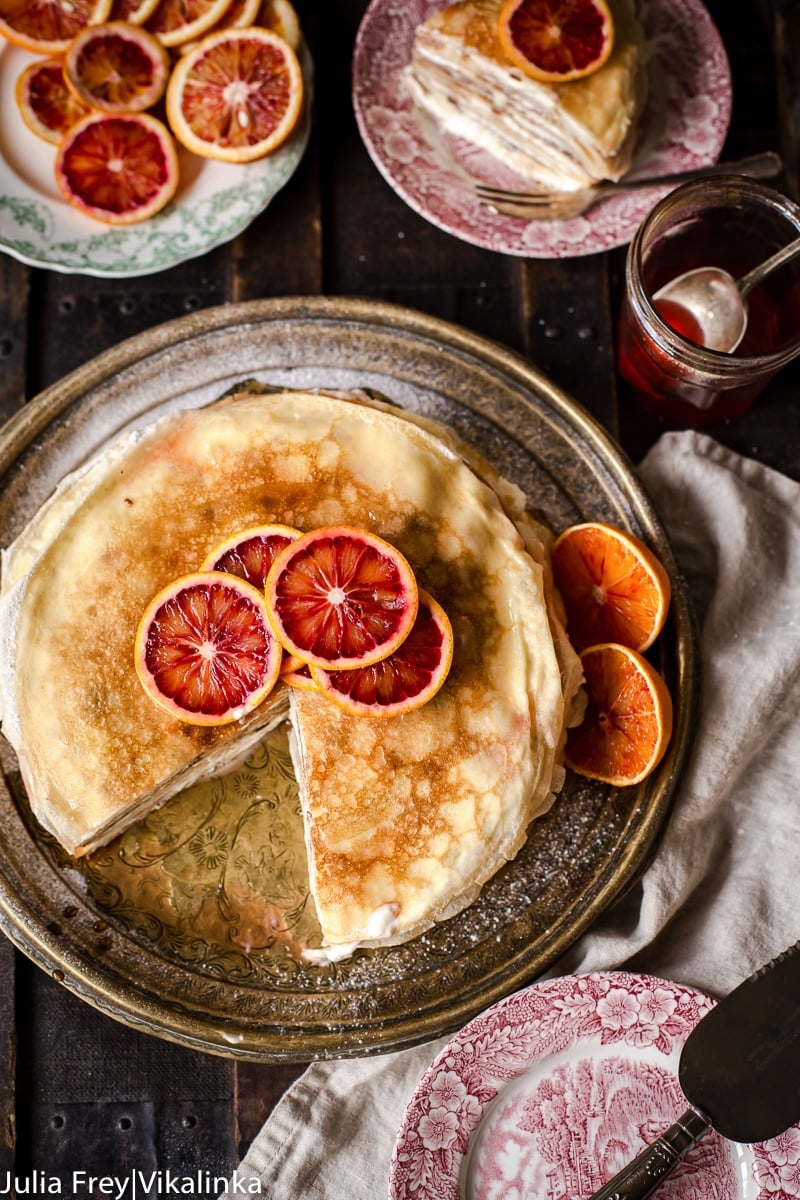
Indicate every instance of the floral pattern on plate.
{"type": "Point", "coordinates": [215, 201]}
{"type": "Point", "coordinates": [683, 127]}
{"type": "Point", "coordinates": [550, 1092]}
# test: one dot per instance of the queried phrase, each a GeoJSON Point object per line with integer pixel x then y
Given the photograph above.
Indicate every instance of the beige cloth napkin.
{"type": "Point", "coordinates": [720, 898]}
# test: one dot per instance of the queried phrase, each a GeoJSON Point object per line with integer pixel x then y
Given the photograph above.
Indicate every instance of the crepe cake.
{"type": "Point", "coordinates": [405, 817]}
{"type": "Point", "coordinates": [561, 136]}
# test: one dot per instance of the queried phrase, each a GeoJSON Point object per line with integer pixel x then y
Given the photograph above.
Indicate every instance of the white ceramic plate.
{"type": "Point", "coordinates": [683, 127]}
{"type": "Point", "coordinates": [214, 203]}
{"type": "Point", "coordinates": [550, 1092]}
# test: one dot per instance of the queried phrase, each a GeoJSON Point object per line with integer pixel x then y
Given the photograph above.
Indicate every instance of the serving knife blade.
{"type": "Point", "coordinates": [740, 1072]}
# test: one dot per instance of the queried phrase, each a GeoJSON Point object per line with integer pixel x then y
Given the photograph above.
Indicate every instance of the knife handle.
{"type": "Point", "coordinates": [643, 1175]}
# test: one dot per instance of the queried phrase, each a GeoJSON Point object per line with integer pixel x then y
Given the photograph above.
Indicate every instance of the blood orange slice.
{"type": "Point", "coordinates": [240, 14]}
{"type": "Point", "coordinates": [237, 96]}
{"type": "Point", "coordinates": [179, 21]}
{"type": "Point", "coordinates": [45, 102]}
{"type": "Point", "coordinates": [557, 40]}
{"type": "Point", "coordinates": [340, 597]}
{"type": "Point", "coordinates": [297, 673]}
{"type": "Point", "coordinates": [118, 169]}
{"type": "Point", "coordinates": [48, 26]}
{"type": "Point", "coordinates": [204, 650]}
{"type": "Point", "coordinates": [405, 680]}
{"type": "Point", "coordinates": [117, 67]}
{"type": "Point", "coordinates": [135, 12]}
{"type": "Point", "coordinates": [251, 553]}
{"type": "Point", "coordinates": [628, 719]}
{"type": "Point", "coordinates": [281, 18]}
{"type": "Point", "coordinates": [613, 587]}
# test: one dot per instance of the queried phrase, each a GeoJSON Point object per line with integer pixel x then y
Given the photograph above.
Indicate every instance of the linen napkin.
{"type": "Point", "coordinates": [719, 899]}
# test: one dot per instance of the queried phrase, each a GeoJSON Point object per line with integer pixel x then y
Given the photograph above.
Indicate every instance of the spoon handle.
{"type": "Point", "coordinates": [785, 255]}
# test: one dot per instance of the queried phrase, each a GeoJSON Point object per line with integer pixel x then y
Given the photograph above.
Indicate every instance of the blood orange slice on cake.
{"type": "Point", "coordinates": [250, 553]}
{"type": "Point", "coordinates": [557, 40]}
{"type": "Point", "coordinates": [405, 680]}
{"type": "Point", "coordinates": [341, 597]}
{"type": "Point", "coordinates": [204, 649]}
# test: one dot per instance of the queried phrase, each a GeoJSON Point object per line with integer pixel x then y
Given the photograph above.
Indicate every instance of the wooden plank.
{"type": "Point", "coordinates": [102, 1093]}
{"type": "Point", "coordinates": [785, 24]}
{"type": "Point", "coordinates": [259, 1087]}
{"type": "Point", "coordinates": [14, 296]}
{"type": "Point", "coordinates": [77, 317]}
{"type": "Point", "coordinates": [280, 254]}
{"type": "Point", "coordinates": [8, 1056]}
{"type": "Point", "coordinates": [568, 329]}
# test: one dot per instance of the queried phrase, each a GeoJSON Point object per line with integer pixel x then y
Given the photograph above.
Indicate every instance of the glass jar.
{"type": "Point", "coordinates": [731, 222]}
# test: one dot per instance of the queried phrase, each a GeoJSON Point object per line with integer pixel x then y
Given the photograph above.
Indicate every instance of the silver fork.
{"type": "Point", "coordinates": [550, 206]}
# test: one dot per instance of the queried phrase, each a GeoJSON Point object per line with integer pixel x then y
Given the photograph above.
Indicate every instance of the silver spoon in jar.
{"type": "Point", "coordinates": [717, 301]}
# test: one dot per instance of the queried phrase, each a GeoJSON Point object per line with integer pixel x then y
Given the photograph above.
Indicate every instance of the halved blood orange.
{"type": "Point", "coordinates": [250, 553]}
{"type": "Point", "coordinates": [204, 651]}
{"type": "Point", "coordinates": [628, 721]}
{"type": "Point", "coordinates": [135, 12]}
{"type": "Point", "coordinates": [557, 40]}
{"type": "Point", "coordinates": [118, 169]}
{"type": "Point", "coordinates": [237, 96]}
{"type": "Point", "coordinates": [405, 680]}
{"type": "Point", "coordinates": [48, 26]}
{"type": "Point", "coordinates": [613, 587]}
{"type": "Point", "coordinates": [341, 597]}
{"type": "Point", "coordinates": [281, 18]}
{"type": "Point", "coordinates": [179, 21]}
{"type": "Point", "coordinates": [45, 102]}
{"type": "Point", "coordinates": [117, 67]}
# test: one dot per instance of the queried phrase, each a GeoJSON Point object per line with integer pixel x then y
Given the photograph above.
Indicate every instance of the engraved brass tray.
{"type": "Point", "coordinates": [187, 926]}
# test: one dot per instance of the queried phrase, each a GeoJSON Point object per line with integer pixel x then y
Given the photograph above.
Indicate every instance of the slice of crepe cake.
{"type": "Point", "coordinates": [558, 135]}
{"type": "Point", "coordinates": [405, 817]}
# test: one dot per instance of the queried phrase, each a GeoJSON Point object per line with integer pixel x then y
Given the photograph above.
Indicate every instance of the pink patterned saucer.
{"type": "Point", "coordinates": [683, 127]}
{"type": "Point", "coordinates": [549, 1093]}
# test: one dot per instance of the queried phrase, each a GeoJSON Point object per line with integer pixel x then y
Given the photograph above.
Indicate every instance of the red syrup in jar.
{"type": "Point", "coordinates": [679, 319]}
{"type": "Point", "coordinates": [663, 383]}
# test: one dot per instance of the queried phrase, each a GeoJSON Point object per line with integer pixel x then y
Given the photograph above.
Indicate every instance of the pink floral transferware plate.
{"type": "Point", "coordinates": [550, 1092]}
{"type": "Point", "coordinates": [683, 127]}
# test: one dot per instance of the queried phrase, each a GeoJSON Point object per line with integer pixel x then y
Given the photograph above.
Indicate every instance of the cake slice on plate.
{"type": "Point", "coordinates": [559, 136]}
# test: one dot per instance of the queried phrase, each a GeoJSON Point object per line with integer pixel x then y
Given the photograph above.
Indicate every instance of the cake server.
{"type": "Point", "coordinates": [740, 1072]}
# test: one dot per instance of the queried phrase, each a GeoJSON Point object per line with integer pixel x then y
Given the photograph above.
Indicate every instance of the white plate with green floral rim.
{"type": "Point", "coordinates": [215, 201]}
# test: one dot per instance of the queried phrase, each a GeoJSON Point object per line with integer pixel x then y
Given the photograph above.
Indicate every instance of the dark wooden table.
{"type": "Point", "coordinates": [78, 1090]}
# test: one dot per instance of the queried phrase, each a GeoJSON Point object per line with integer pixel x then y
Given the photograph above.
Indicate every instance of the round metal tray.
{"type": "Point", "coordinates": [145, 935]}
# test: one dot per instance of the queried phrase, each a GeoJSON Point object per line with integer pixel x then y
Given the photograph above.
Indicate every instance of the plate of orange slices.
{"type": "Point", "coordinates": [110, 161]}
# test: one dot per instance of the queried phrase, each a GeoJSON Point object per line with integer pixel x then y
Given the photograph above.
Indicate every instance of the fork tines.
{"type": "Point", "coordinates": [485, 192]}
